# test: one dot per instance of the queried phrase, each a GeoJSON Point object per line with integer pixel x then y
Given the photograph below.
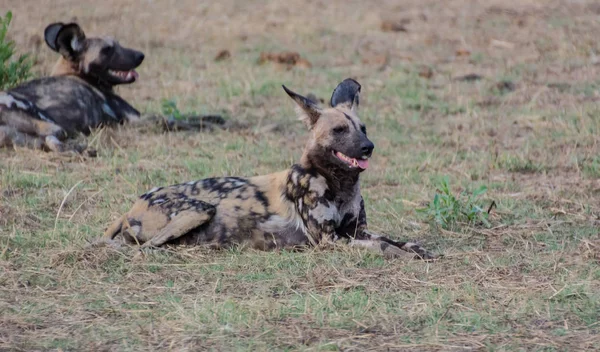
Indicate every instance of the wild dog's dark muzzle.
{"type": "Point", "coordinates": [126, 59]}
{"type": "Point", "coordinates": [359, 155]}
{"type": "Point", "coordinates": [367, 148]}
{"type": "Point", "coordinates": [120, 68]}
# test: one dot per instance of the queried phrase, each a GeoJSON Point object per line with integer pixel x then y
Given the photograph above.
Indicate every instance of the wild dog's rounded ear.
{"type": "Point", "coordinates": [309, 112]}
{"type": "Point", "coordinates": [67, 39]}
{"type": "Point", "coordinates": [347, 94]}
{"type": "Point", "coordinates": [51, 33]}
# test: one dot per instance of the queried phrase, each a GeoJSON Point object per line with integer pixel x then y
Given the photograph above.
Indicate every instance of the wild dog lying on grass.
{"type": "Point", "coordinates": [315, 200]}
{"type": "Point", "coordinates": [77, 97]}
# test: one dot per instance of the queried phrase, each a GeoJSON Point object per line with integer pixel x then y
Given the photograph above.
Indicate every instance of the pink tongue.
{"type": "Point", "coordinates": [135, 74]}
{"type": "Point", "coordinates": [363, 163]}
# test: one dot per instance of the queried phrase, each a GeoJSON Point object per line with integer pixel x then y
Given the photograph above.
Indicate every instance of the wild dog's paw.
{"type": "Point", "coordinates": [84, 150]}
{"type": "Point", "coordinates": [420, 252]}
{"type": "Point", "coordinates": [90, 153]}
{"type": "Point", "coordinates": [395, 252]}
{"type": "Point", "coordinates": [53, 144]}
{"type": "Point", "coordinates": [103, 242]}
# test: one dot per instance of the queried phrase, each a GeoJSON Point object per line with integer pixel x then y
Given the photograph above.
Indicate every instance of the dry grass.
{"type": "Point", "coordinates": [528, 129]}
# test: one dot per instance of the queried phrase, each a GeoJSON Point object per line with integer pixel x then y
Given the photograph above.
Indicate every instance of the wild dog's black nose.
{"type": "Point", "coordinates": [139, 58]}
{"type": "Point", "coordinates": [367, 148]}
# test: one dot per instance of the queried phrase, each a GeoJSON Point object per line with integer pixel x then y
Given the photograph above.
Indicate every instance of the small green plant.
{"type": "Point", "coordinates": [446, 209]}
{"type": "Point", "coordinates": [12, 72]}
{"type": "Point", "coordinates": [170, 110]}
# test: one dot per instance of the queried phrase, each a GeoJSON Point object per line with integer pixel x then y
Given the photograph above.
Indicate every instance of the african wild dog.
{"type": "Point", "coordinates": [77, 97]}
{"type": "Point", "coordinates": [316, 200]}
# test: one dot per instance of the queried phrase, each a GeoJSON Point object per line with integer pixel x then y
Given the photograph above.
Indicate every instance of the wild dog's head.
{"type": "Point", "coordinates": [97, 59]}
{"type": "Point", "coordinates": [338, 138]}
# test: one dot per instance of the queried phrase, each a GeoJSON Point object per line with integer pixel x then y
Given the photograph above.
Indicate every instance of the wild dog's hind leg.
{"type": "Point", "coordinates": [24, 123]}
{"type": "Point", "coordinates": [51, 134]}
{"type": "Point", "coordinates": [54, 136]}
{"type": "Point", "coordinates": [181, 224]}
{"type": "Point", "coordinates": [10, 136]}
{"type": "Point", "coordinates": [160, 216]}
{"type": "Point", "coordinates": [390, 248]}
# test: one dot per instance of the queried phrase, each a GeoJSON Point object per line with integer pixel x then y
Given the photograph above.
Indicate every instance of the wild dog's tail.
{"type": "Point", "coordinates": [115, 228]}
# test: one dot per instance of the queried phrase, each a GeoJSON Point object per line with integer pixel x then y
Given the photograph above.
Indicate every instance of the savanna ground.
{"type": "Point", "coordinates": [528, 129]}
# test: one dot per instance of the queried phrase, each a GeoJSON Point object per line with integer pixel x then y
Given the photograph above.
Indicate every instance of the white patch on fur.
{"type": "Point", "coordinates": [8, 101]}
{"type": "Point", "coordinates": [153, 190]}
{"type": "Point", "coordinates": [277, 223]}
{"type": "Point", "coordinates": [75, 44]}
{"type": "Point", "coordinates": [238, 183]}
{"type": "Point", "coordinates": [323, 213]}
{"type": "Point", "coordinates": [299, 224]}
{"type": "Point", "coordinates": [158, 201]}
{"type": "Point", "coordinates": [44, 118]}
{"type": "Point", "coordinates": [133, 118]}
{"type": "Point", "coordinates": [108, 111]}
{"type": "Point", "coordinates": [319, 185]}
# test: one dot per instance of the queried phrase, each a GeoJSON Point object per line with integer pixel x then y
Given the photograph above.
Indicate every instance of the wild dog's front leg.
{"type": "Point", "coordinates": [317, 212]}
{"type": "Point", "coordinates": [320, 231]}
{"type": "Point", "coordinates": [388, 247]}
{"type": "Point", "coordinates": [355, 228]}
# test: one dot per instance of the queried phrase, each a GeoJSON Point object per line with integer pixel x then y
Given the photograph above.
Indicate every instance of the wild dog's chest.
{"type": "Point", "coordinates": [316, 203]}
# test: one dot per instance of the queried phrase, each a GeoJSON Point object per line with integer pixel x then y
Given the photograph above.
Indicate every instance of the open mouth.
{"type": "Point", "coordinates": [124, 75]}
{"type": "Point", "coordinates": [362, 163]}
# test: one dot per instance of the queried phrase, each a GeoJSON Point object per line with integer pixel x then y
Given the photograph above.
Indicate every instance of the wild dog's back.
{"type": "Point", "coordinates": [71, 103]}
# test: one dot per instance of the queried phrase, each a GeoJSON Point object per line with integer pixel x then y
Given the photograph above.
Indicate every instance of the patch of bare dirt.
{"type": "Point", "coordinates": [287, 58]}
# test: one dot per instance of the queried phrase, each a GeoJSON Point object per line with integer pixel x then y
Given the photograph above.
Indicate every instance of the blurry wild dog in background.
{"type": "Point", "coordinates": [78, 96]}
{"type": "Point", "coordinates": [316, 200]}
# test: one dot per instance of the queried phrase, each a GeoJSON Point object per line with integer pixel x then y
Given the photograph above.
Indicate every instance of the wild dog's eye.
{"type": "Point", "coordinates": [363, 128]}
{"type": "Point", "coordinates": [340, 129]}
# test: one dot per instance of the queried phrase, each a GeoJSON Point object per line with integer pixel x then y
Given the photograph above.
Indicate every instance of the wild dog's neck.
{"type": "Point", "coordinates": [64, 67]}
{"type": "Point", "coordinates": [338, 180]}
